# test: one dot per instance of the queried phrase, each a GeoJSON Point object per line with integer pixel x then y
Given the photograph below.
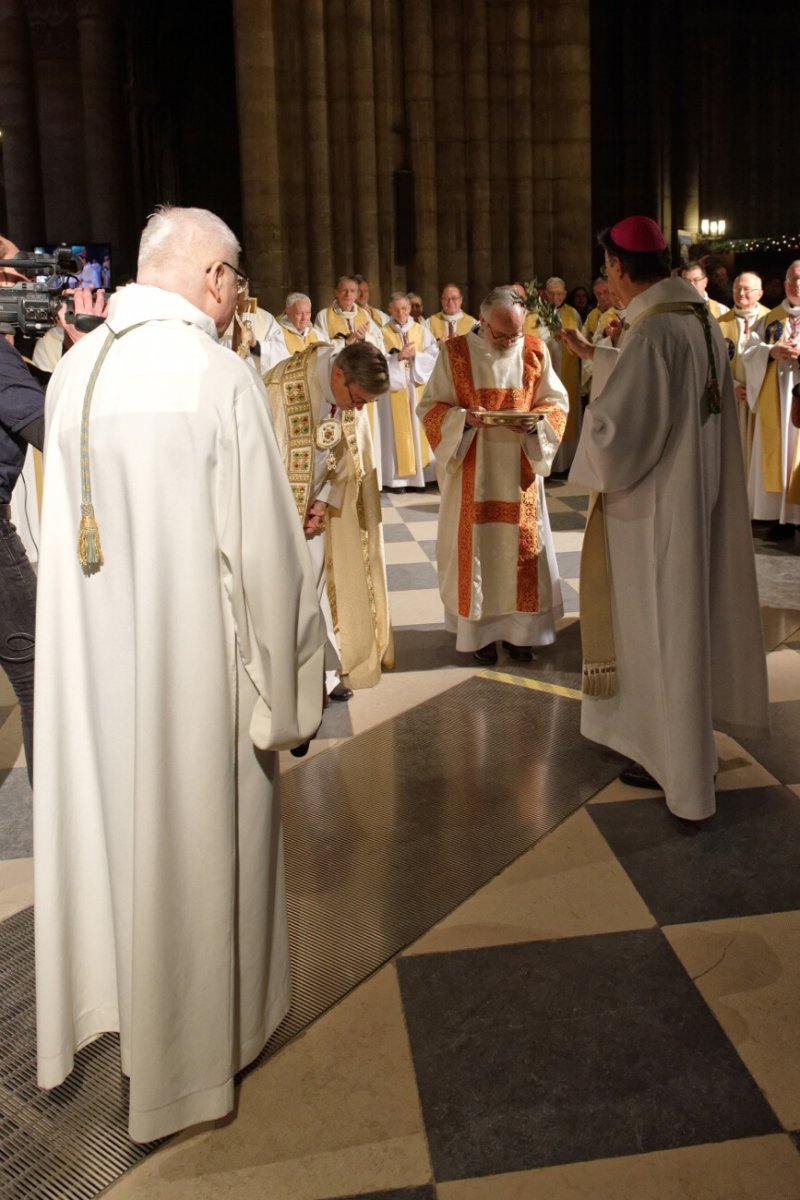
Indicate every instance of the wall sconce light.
{"type": "Point", "coordinates": [714, 228]}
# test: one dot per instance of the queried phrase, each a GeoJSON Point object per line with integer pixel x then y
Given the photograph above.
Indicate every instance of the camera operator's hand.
{"type": "Point", "coordinates": [94, 304]}
{"type": "Point", "coordinates": [7, 274]}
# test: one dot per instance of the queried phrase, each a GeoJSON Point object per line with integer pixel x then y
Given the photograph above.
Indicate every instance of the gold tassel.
{"type": "Point", "coordinates": [90, 551]}
{"type": "Point", "coordinates": [599, 680]}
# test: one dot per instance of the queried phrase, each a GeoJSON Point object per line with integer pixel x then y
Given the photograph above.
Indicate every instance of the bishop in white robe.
{"type": "Point", "coordinates": [682, 660]}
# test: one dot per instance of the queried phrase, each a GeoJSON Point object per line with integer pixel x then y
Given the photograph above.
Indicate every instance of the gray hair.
{"type": "Point", "coordinates": [296, 298]}
{"type": "Point", "coordinates": [399, 296]}
{"type": "Point", "coordinates": [556, 279]}
{"type": "Point", "coordinates": [501, 297]}
{"type": "Point", "coordinates": [364, 364]}
{"type": "Point", "coordinates": [176, 241]}
{"type": "Point", "coordinates": [343, 278]}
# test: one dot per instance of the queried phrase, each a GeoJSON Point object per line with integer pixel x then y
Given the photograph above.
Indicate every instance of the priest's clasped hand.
{"type": "Point", "coordinates": [314, 523]}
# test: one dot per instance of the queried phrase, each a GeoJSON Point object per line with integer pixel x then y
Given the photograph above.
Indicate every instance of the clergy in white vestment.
{"type": "Point", "coordinates": [451, 321]}
{"type": "Point", "coordinates": [667, 657]}
{"type": "Point", "coordinates": [498, 576]}
{"type": "Point", "coordinates": [179, 645]}
{"type": "Point", "coordinates": [295, 324]}
{"type": "Point", "coordinates": [254, 334]}
{"type": "Point", "coordinates": [695, 274]}
{"type": "Point", "coordinates": [741, 327]}
{"type": "Point", "coordinates": [412, 351]}
{"type": "Point", "coordinates": [378, 315]}
{"type": "Point", "coordinates": [317, 400]}
{"type": "Point", "coordinates": [772, 369]}
{"type": "Point", "coordinates": [343, 323]}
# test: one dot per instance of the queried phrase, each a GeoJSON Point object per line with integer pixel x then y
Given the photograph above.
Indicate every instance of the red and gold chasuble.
{"type": "Point", "coordinates": [475, 512]}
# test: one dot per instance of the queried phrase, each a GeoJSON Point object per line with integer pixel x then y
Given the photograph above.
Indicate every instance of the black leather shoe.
{"type": "Point", "coordinates": [779, 533]}
{"type": "Point", "coordinates": [340, 692]}
{"type": "Point", "coordinates": [520, 653]}
{"type": "Point", "coordinates": [636, 776]}
{"type": "Point", "coordinates": [487, 655]}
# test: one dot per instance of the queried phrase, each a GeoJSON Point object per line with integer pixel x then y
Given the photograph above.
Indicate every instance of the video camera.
{"type": "Point", "coordinates": [32, 308]}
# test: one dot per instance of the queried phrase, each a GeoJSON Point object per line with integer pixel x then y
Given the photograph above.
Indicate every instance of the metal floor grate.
{"type": "Point", "coordinates": [385, 835]}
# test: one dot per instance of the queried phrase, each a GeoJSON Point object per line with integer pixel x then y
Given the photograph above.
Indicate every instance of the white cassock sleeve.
{"type": "Point", "coordinates": [755, 360]}
{"type": "Point", "coordinates": [626, 427]}
{"type": "Point", "coordinates": [276, 614]}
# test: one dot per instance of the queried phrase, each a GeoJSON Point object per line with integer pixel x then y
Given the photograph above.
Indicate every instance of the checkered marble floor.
{"type": "Point", "coordinates": [612, 1017]}
{"type": "Point", "coordinates": [409, 527]}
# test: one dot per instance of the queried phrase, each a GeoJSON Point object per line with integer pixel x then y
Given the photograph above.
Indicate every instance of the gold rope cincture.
{"type": "Point", "coordinates": [90, 552]}
{"type": "Point", "coordinates": [700, 310]}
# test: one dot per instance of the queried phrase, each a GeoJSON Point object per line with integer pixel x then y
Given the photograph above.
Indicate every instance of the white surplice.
{"type": "Point", "coordinates": [772, 505]}
{"type": "Point", "coordinates": [479, 560]}
{"type": "Point", "coordinates": [406, 375]}
{"type": "Point", "coordinates": [687, 629]}
{"type": "Point", "coordinates": [164, 684]}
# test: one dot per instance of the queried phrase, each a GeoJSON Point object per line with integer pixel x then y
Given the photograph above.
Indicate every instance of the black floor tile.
{"type": "Point", "coordinates": [559, 521]}
{"type": "Point", "coordinates": [421, 510]}
{"type": "Point", "coordinates": [780, 753]}
{"type": "Point", "coordinates": [427, 1192]}
{"type": "Point", "coordinates": [543, 1053]}
{"type": "Point", "coordinates": [397, 533]}
{"type": "Point", "coordinates": [579, 503]}
{"type": "Point", "coordinates": [743, 861]}
{"type": "Point", "coordinates": [403, 577]}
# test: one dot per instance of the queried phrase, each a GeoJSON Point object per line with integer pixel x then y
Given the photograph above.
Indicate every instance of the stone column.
{"type": "Point", "coordinates": [569, 89]}
{"type": "Point", "coordinates": [258, 137]}
{"type": "Point", "coordinates": [291, 132]}
{"type": "Point", "coordinates": [421, 119]}
{"type": "Point", "coordinates": [56, 70]}
{"type": "Point", "coordinates": [317, 224]}
{"type": "Point", "coordinates": [449, 32]}
{"type": "Point", "coordinates": [363, 161]}
{"type": "Point", "coordinates": [478, 189]}
{"type": "Point", "coordinates": [499, 141]}
{"type": "Point", "coordinates": [387, 17]}
{"type": "Point", "coordinates": [105, 135]}
{"type": "Point", "coordinates": [520, 147]}
{"type": "Point", "coordinates": [21, 170]}
{"type": "Point", "coordinates": [542, 101]}
{"type": "Point", "coordinates": [341, 88]}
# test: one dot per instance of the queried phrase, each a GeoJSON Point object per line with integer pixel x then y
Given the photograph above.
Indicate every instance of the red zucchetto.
{"type": "Point", "coordinates": [638, 234]}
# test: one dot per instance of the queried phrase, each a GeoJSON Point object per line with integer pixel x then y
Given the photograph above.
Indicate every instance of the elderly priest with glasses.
{"type": "Point", "coordinates": [494, 412]}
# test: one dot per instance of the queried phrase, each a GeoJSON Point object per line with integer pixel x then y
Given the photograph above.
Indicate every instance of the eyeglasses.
{"type": "Point", "coordinates": [508, 339]}
{"type": "Point", "coordinates": [358, 401]}
{"type": "Point", "coordinates": [242, 282]}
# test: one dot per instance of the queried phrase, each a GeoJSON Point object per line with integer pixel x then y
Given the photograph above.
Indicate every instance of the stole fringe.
{"type": "Point", "coordinates": [599, 680]}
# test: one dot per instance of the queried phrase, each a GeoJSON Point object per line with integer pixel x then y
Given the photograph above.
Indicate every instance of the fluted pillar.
{"type": "Point", "coordinates": [499, 133]}
{"type": "Point", "coordinates": [389, 146]}
{"type": "Point", "coordinates": [56, 70]}
{"type": "Point", "coordinates": [362, 132]}
{"type": "Point", "coordinates": [21, 171]}
{"type": "Point", "coordinates": [478, 190]}
{"type": "Point", "coordinates": [105, 135]}
{"type": "Point", "coordinates": [318, 224]}
{"type": "Point", "coordinates": [521, 151]}
{"type": "Point", "coordinates": [421, 118]}
{"type": "Point", "coordinates": [449, 32]}
{"type": "Point", "coordinates": [569, 86]}
{"type": "Point", "coordinates": [341, 88]}
{"type": "Point", "coordinates": [258, 138]}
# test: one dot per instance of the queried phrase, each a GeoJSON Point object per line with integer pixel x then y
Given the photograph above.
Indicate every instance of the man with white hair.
{"type": "Point", "coordinates": [172, 662]}
{"type": "Point", "coordinates": [773, 370]}
{"type": "Point", "coordinates": [498, 576]}
{"type": "Point", "coordinates": [740, 328]}
{"type": "Point", "coordinates": [411, 351]}
{"type": "Point", "coordinates": [295, 324]}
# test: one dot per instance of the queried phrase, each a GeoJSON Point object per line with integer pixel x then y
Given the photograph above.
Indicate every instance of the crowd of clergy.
{"type": "Point", "coordinates": [762, 344]}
